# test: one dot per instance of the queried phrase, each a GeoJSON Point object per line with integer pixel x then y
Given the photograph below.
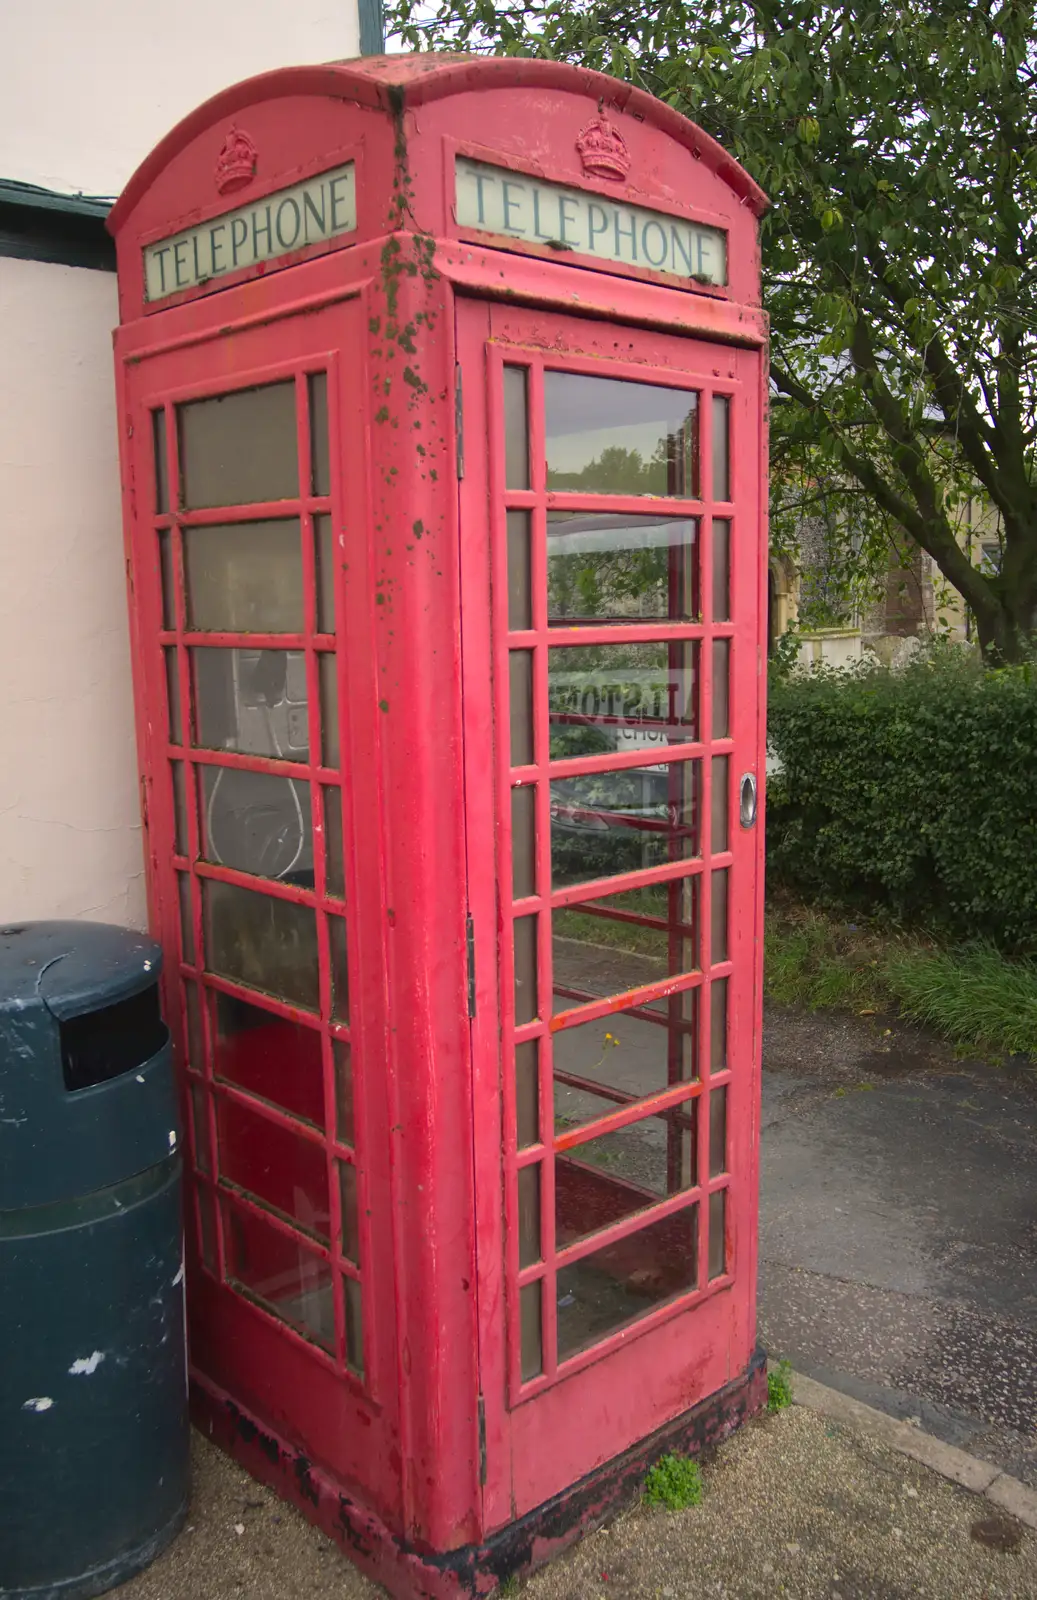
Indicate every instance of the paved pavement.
{"type": "Point", "coordinates": [898, 1253]}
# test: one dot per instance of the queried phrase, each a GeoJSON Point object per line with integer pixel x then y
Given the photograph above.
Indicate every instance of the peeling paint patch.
{"type": "Point", "coordinates": [87, 1365]}
{"type": "Point", "coordinates": [172, 1138]}
{"type": "Point", "coordinates": [140, 1077]}
{"type": "Point", "coordinates": [147, 966]}
{"type": "Point", "coordinates": [41, 1402]}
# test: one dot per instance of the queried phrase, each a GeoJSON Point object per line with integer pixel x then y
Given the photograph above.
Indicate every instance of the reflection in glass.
{"type": "Point", "coordinates": [617, 942]}
{"type": "Point", "coordinates": [718, 939]}
{"type": "Point", "coordinates": [721, 447]}
{"type": "Point", "coordinates": [603, 823]}
{"type": "Point", "coordinates": [251, 701]}
{"type": "Point", "coordinates": [721, 570]}
{"type": "Point", "coordinates": [244, 577]}
{"type": "Point", "coordinates": [200, 1126]}
{"type": "Point", "coordinates": [173, 696]}
{"type": "Point", "coordinates": [186, 917]}
{"type": "Point", "coordinates": [527, 1093]}
{"type": "Point", "coordinates": [280, 1274]}
{"type": "Point", "coordinates": [206, 1213]}
{"type": "Point", "coordinates": [327, 671]}
{"type": "Point", "coordinates": [606, 1179]}
{"type": "Point", "coordinates": [721, 691]}
{"type": "Point", "coordinates": [520, 673]}
{"type": "Point", "coordinates": [621, 697]}
{"type": "Point", "coordinates": [324, 573]}
{"type": "Point", "coordinates": [720, 803]}
{"type": "Point", "coordinates": [601, 1065]}
{"type": "Point", "coordinates": [520, 603]}
{"type": "Point", "coordinates": [717, 1132]}
{"type": "Point", "coordinates": [354, 1326]}
{"type": "Point", "coordinates": [516, 428]}
{"type": "Point", "coordinates": [717, 1234]}
{"type": "Point", "coordinates": [525, 969]}
{"type": "Point", "coordinates": [258, 823]}
{"type": "Point", "coordinates": [339, 969]}
{"type": "Point", "coordinates": [165, 559]}
{"type": "Point", "coordinates": [269, 1056]}
{"type": "Point", "coordinates": [607, 568]}
{"type": "Point", "coordinates": [158, 434]}
{"type": "Point", "coordinates": [239, 449]}
{"type": "Point", "coordinates": [320, 459]}
{"type": "Point", "coordinates": [343, 1091]}
{"type": "Point", "coordinates": [608, 436]}
{"type": "Point", "coordinates": [718, 1024]}
{"type": "Point", "coordinates": [529, 1215]}
{"type": "Point", "coordinates": [523, 840]}
{"type": "Point", "coordinates": [350, 1212]}
{"type": "Point", "coordinates": [195, 1043]}
{"type": "Point", "coordinates": [262, 942]}
{"type": "Point", "coordinates": [624, 1281]}
{"type": "Point", "coordinates": [532, 1355]}
{"type": "Point", "coordinates": [179, 808]}
{"type": "Point", "coordinates": [274, 1165]}
{"type": "Point", "coordinates": [334, 860]}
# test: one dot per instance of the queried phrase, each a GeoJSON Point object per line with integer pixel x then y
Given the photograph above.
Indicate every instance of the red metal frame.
{"type": "Point", "coordinates": [439, 1442]}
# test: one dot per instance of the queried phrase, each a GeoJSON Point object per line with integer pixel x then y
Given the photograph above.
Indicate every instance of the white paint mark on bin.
{"type": "Point", "coordinates": [180, 1276]}
{"type": "Point", "coordinates": [42, 1402]}
{"type": "Point", "coordinates": [87, 1365]}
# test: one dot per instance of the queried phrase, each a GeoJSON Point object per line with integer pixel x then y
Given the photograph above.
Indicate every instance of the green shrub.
{"type": "Point", "coordinates": [674, 1482]}
{"type": "Point", "coordinates": [779, 1387]}
{"type": "Point", "coordinates": [911, 793]}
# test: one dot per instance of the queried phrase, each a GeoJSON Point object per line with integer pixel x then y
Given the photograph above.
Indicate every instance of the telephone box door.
{"type": "Point", "coordinates": [615, 608]}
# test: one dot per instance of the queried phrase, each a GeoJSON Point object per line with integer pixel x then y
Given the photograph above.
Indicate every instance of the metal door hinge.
{"type": "Point", "coordinates": [459, 420]}
{"type": "Point", "coordinates": [482, 1440]}
{"type": "Point", "coordinates": [469, 929]}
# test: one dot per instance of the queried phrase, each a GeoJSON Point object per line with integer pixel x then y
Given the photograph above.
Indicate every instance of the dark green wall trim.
{"type": "Point", "coordinates": [67, 230]}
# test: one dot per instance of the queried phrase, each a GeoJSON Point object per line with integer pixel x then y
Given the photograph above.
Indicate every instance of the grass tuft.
{"type": "Point", "coordinates": [779, 1387]}
{"type": "Point", "coordinates": [674, 1482]}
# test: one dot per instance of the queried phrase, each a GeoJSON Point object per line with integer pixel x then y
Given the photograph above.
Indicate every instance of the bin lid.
{"type": "Point", "coordinates": [72, 967]}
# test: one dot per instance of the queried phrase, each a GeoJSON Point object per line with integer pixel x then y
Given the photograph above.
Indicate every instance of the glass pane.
{"type": "Point", "coordinates": [527, 1093]}
{"type": "Point", "coordinates": [717, 1132]}
{"type": "Point", "coordinates": [601, 1065]}
{"type": "Point", "coordinates": [339, 969]}
{"type": "Point", "coordinates": [525, 970]}
{"type": "Point", "coordinates": [256, 822]}
{"type": "Point", "coordinates": [270, 1056]}
{"type": "Point", "coordinates": [617, 942]}
{"type": "Point", "coordinates": [614, 1176]}
{"type": "Point", "coordinates": [520, 603]}
{"type": "Point", "coordinates": [721, 570]}
{"type": "Point", "coordinates": [532, 1354]}
{"type": "Point", "coordinates": [158, 434]}
{"type": "Point", "coordinates": [206, 1227]}
{"type": "Point", "coordinates": [239, 448]}
{"type": "Point", "coordinates": [165, 557]}
{"type": "Point", "coordinates": [523, 840]}
{"type": "Point", "coordinates": [324, 572]}
{"type": "Point", "coordinates": [520, 668]}
{"type": "Point", "coordinates": [186, 918]}
{"type": "Point", "coordinates": [173, 696]}
{"type": "Point", "coordinates": [718, 1024]}
{"type": "Point", "coordinates": [278, 1272]}
{"type": "Point", "coordinates": [529, 1215]}
{"type": "Point", "coordinates": [718, 940]}
{"type": "Point", "coordinates": [354, 1326]}
{"type": "Point", "coordinates": [607, 436]}
{"type": "Point", "coordinates": [721, 447]}
{"type": "Point", "coordinates": [320, 460]}
{"type": "Point", "coordinates": [721, 802]}
{"type": "Point", "coordinates": [275, 1166]}
{"type": "Point", "coordinates": [334, 860]}
{"type": "Point", "coordinates": [604, 568]}
{"type": "Point", "coordinates": [251, 701]}
{"type": "Point", "coordinates": [267, 944]}
{"type": "Point", "coordinates": [350, 1212]}
{"type": "Point", "coordinates": [244, 577]}
{"type": "Point", "coordinates": [717, 1234]}
{"type": "Point", "coordinates": [343, 1091]}
{"type": "Point", "coordinates": [621, 697]}
{"type": "Point", "coordinates": [327, 667]}
{"type": "Point", "coordinates": [179, 808]}
{"type": "Point", "coordinates": [200, 1129]}
{"type": "Point", "coordinates": [195, 1045]}
{"type": "Point", "coordinates": [611, 822]}
{"type": "Point", "coordinates": [721, 667]}
{"type": "Point", "coordinates": [516, 429]}
{"type": "Point", "coordinates": [625, 1281]}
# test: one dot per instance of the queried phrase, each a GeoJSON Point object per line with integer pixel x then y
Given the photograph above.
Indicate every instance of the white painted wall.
{"type": "Point", "coordinates": [87, 87]}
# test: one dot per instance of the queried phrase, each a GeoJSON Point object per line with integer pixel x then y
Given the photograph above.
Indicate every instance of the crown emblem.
{"type": "Point", "coordinates": [603, 150]}
{"type": "Point", "coordinates": [236, 162]}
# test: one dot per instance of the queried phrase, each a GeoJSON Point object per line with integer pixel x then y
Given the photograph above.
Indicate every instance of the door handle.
{"type": "Point", "coordinates": [747, 800]}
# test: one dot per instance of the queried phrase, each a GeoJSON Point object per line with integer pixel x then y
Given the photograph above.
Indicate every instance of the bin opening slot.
{"type": "Point", "coordinates": [103, 1044]}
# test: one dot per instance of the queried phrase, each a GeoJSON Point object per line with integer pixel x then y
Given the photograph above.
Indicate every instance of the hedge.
{"type": "Point", "coordinates": [913, 793]}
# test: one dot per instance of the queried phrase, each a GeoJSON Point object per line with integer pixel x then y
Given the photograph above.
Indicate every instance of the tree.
{"type": "Point", "coordinates": [898, 142]}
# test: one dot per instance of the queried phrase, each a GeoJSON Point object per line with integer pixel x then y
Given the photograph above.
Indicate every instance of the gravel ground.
{"type": "Point", "coordinates": [794, 1506]}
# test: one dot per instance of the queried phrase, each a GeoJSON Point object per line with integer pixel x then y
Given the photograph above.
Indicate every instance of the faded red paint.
{"type": "Point", "coordinates": [421, 1466]}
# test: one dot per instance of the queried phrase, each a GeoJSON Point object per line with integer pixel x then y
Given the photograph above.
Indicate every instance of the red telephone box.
{"type": "Point", "coordinates": [441, 386]}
